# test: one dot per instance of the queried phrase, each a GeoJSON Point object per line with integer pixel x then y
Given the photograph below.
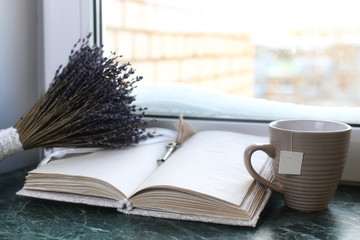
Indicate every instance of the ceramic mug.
{"type": "Point", "coordinates": [308, 159]}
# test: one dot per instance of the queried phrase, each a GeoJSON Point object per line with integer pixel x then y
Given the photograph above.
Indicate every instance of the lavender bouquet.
{"type": "Point", "coordinates": [89, 103]}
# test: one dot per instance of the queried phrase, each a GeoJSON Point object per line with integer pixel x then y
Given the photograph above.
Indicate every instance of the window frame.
{"type": "Point", "coordinates": [84, 18]}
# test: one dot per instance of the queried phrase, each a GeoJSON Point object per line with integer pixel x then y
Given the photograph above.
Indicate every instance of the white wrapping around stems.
{"type": "Point", "coordinates": [9, 142]}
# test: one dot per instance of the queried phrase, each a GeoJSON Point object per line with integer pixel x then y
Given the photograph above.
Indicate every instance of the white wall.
{"type": "Point", "coordinates": [19, 82]}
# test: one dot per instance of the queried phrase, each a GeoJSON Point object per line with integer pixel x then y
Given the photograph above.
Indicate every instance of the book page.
{"type": "Point", "coordinates": [211, 163]}
{"type": "Point", "coordinates": [124, 169]}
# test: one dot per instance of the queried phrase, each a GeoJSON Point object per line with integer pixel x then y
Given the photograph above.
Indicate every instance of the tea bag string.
{"type": "Point", "coordinates": [291, 141]}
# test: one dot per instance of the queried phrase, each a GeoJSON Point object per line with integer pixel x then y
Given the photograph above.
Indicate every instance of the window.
{"type": "Point", "coordinates": [232, 59]}
{"type": "Point", "coordinates": [199, 100]}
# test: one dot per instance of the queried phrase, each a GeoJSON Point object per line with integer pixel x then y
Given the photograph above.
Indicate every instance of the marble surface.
{"type": "Point", "coordinates": [26, 218]}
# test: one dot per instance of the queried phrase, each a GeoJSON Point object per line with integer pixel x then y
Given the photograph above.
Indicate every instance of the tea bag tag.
{"type": "Point", "coordinates": [290, 162]}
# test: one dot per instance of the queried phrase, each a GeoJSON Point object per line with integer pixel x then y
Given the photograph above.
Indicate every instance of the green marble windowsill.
{"type": "Point", "coordinates": [26, 218]}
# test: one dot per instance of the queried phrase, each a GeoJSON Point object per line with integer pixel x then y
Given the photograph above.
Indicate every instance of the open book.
{"type": "Point", "coordinates": [203, 180]}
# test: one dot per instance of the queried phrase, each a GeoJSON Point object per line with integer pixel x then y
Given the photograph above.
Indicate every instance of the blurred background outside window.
{"type": "Point", "coordinates": [219, 55]}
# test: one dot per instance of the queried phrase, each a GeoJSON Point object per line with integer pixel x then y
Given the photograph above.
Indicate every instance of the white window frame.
{"type": "Point", "coordinates": [78, 16]}
{"type": "Point", "coordinates": [63, 23]}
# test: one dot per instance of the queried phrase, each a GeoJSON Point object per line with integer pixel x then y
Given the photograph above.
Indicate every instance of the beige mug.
{"type": "Point", "coordinates": [308, 159]}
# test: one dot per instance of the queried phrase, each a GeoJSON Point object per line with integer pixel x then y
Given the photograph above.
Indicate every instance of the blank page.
{"type": "Point", "coordinates": [211, 163]}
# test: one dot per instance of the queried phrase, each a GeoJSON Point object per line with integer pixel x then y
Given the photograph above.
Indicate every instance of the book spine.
{"type": "Point", "coordinates": [125, 206]}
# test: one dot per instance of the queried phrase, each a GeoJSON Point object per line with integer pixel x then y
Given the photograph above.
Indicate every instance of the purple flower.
{"type": "Point", "coordinates": [89, 103]}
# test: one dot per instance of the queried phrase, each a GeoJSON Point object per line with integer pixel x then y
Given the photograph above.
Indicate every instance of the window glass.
{"type": "Point", "coordinates": [258, 59]}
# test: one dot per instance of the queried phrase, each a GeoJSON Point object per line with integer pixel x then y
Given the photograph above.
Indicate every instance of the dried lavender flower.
{"type": "Point", "coordinates": [89, 103]}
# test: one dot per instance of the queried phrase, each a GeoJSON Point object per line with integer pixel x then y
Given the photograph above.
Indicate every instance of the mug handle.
{"type": "Point", "coordinates": [270, 151]}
